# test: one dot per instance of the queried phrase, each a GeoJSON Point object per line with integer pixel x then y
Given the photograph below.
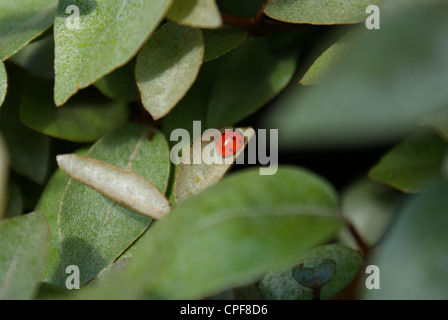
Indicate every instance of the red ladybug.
{"type": "Point", "coordinates": [229, 143]}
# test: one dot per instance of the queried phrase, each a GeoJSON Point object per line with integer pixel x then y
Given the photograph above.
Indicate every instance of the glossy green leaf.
{"type": "Point", "coordinates": [37, 57]}
{"type": "Point", "coordinates": [281, 285]}
{"type": "Point", "coordinates": [221, 41]}
{"type": "Point", "coordinates": [199, 169]}
{"type": "Point", "coordinates": [3, 83]}
{"type": "Point", "coordinates": [84, 119]}
{"type": "Point", "coordinates": [368, 98]}
{"type": "Point", "coordinates": [195, 13]}
{"type": "Point", "coordinates": [122, 186]}
{"type": "Point", "coordinates": [317, 72]}
{"type": "Point", "coordinates": [369, 207]}
{"type": "Point", "coordinates": [24, 244]}
{"type": "Point", "coordinates": [412, 260]}
{"type": "Point", "coordinates": [167, 67]}
{"type": "Point", "coordinates": [4, 173]}
{"type": "Point", "coordinates": [22, 21]}
{"type": "Point", "coordinates": [319, 11]}
{"type": "Point", "coordinates": [28, 149]}
{"type": "Point", "coordinates": [120, 84]}
{"type": "Point", "coordinates": [224, 236]}
{"type": "Point", "coordinates": [413, 163]}
{"type": "Point", "coordinates": [110, 33]}
{"type": "Point", "coordinates": [94, 231]}
{"type": "Point", "coordinates": [250, 78]}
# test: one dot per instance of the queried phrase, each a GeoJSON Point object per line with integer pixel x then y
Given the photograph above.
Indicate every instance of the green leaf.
{"type": "Point", "coordinates": [368, 98]}
{"type": "Point", "coordinates": [120, 84]}
{"type": "Point", "coordinates": [411, 259]}
{"type": "Point", "coordinates": [319, 12]}
{"type": "Point", "coordinates": [195, 13]}
{"type": "Point", "coordinates": [439, 122]}
{"type": "Point", "coordinates": [22, 21]}
{"type": "Point", "coordinates": [14, 206]}
{"type": "Point", "coordinates": [193, 106]}
{"type": "Point", "coordinates": [28, 149]}
{"type": "Point", "coordinates": [84, 119]}
{"type": "Point", "coordinates": [167, 67]}
{"type": "Point", "coordinates": [317, 72]}
{"type": "Point", "coordinates": [4, 173]}
{"type": "Point", "coordinates": [122, 186]}
{"type": "Point", "coordinates": [110, 33]}
{"type": "Point", "coordinates": [37, 58]}
{"type": "Point", "coordinates": [23, 241]}
{"type": "Point", "coordinates": [281, 285]}
{"type": "Point", "coordinates": [251, 76]}
{"type": "Point", "coordinates": [193, 178]}
{"type": "Point", "coordinates": [413, 163]}
{"type": "Point", "coordinates": [3, 83]}
{"type": "Point", "coordinates": [369, 207]}
{"type": "Point", "coordinates": [94, 231]}
{"type": "Point", "coordinates": [48, 205]}
{"type": "Point", "coordinates": [231, 234]}
{"type": "Point", "coordinates": [221, 41]}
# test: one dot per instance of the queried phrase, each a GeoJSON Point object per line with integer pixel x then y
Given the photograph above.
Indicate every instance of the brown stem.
{"type": "Point", "coordinates": [359, 240]}
{"type": "Point", "coordinates": [316, 293]}
{"type": "Point", "coordinates": [258, 25]}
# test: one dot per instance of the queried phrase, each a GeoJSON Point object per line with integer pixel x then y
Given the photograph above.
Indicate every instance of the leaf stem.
{"type": "Point", "coordinates": [359, 240]}
{"type": "Point", "coordinates": [258, 25]}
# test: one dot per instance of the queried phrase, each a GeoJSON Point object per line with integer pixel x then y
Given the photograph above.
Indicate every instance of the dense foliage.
{"type": "Point", "coordinates": [91, 92]}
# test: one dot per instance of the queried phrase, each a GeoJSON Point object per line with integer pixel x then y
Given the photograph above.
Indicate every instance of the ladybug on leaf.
{"type": "Point", "coordinates": [229, 143]}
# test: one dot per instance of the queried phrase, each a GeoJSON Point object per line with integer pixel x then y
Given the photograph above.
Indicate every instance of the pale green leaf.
{"type": "Point", "coordinates": [221, 41]}
{"type": "Point", "coordinates": [3, 83]}
{"type": "Point", "coordinates": [368, 98]}
{"type": "Point", "coordinates": [250, 77]}
{"type": "Point", "coordinates": [110, 33]}
{"type": "Point", "coordinates": [412, 258]}
{"type": "Point", "coordinates": [22, 21]}
{"type": "Point", "coordinates": [167, 67]}
{"type": "Point", "coordinates": [86, 118]}
{"type": "Point", "coordinates": [193, 107]}
{"type": "Point", "coordinates": [319, 11]}
{"type": "Point", "coordinates": [94, 231]}
{"type": "Point", "coordinates": [23, 241]}
{"type": "Point", "coordinates": [413, 163]}
{"type": "Point", "coordinates": [195, 13]}
{"type": "Point", "coordinates": [200, 169]}
{"type": "Point", "coordinates": [122, 186]}
{"type": "Point", "coordinates": [281, 285]}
